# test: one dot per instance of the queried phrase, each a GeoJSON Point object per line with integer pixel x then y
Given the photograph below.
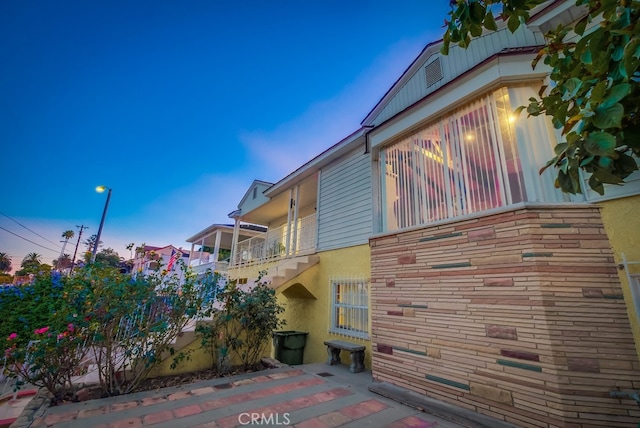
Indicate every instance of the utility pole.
{"type": "Point", "coordinates": [73, 261]}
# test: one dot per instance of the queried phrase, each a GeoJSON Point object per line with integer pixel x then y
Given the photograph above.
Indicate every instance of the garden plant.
{"type": "Point", "coordinates": [242, 325]}
{"type": "Point", "coordinates": [124, 325]}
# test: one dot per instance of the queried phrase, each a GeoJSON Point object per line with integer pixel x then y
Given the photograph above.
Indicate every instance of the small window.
{"type": "Point", "coordinates": [350, 308]}
{"type": "Point", "coordinates": [255, 192]}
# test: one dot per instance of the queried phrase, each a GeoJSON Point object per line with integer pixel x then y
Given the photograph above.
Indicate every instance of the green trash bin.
{"type": "Point", "coordinates": [289, 346]}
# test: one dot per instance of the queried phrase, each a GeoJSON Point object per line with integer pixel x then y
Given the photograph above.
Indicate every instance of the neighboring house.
{"type": "Point", "coordinates": [214, 246]}
{"type": "Point", "coordinates": [315, 251]}
{"type": "Point", "coordinates": [429, 236]}
{"type": "Point", "coordinates": [151, 259]}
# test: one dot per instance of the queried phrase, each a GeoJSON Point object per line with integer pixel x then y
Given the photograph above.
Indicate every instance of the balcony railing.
{"type": "Point", "coordinates": [279, 242]}
{"type": "Point", "coordinates": [200, 265]}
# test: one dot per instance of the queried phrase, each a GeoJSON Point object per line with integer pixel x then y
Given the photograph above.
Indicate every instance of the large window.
{"type": "Point", "coordinates": [465, 163]}
{"type": "Point", "coordinates": [350, 307]}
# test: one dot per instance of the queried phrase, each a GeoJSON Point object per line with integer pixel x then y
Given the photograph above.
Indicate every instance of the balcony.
{"type": "Point", "coordinates": [278, 243]}
{"type": "Point", "coordinates": [202, 264]}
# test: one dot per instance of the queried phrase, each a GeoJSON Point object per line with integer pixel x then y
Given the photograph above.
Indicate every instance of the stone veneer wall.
{"type": "Point", "coordinates": [518, 315]}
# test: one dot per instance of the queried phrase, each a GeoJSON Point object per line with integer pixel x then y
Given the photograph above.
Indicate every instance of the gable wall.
{"type": "Point", "coordinates": [249, 203]}
{"type": "Point", "coordinates": [456, 63]}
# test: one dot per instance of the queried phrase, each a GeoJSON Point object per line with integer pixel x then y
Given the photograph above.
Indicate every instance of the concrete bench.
{"type": "Point", "coordinates": [357, 354]}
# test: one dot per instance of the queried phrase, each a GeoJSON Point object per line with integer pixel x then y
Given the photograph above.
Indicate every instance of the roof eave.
{"type": "Point", "coordinates": [315, 164]}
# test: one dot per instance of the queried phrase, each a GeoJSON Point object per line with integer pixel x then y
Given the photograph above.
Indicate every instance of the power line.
{"type": "Point", "coordinates": [28, 240]}
{"type": "Point", "coordinates": [15, 221]}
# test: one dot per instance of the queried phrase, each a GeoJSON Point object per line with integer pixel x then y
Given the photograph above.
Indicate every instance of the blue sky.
{"type": "Point", "coordinates": [179, 105]}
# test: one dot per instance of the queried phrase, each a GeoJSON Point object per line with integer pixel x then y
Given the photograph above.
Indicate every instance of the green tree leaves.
{"type": "Point", "coordinates": [596, 93]}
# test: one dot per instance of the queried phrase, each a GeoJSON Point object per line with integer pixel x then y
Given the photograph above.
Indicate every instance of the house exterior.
{"type": "Point", "coordinates": [490, 289]}
{"type": "Point", "coordinates": [429, 236]}
{"type": "Point", "coordinates": [214, 246]}
{"type": "Point", "coordinates": [150, 258]}
{"type": "Point", "coordinates": [315, 252]}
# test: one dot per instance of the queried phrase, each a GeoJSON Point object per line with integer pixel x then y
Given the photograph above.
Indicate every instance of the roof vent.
{"type": "Point", "coordinates": [433, 72]}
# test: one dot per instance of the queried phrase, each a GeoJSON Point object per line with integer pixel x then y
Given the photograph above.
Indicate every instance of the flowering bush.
{"type": "Point", "coordinates": [243, 325]}
{"type": "Point", "coordinates": [49, 360]}
{"type": "Point", "coordinates": [42, 341]}
{"type": "Point", "coordinates": [127, 324]}
{"type": "Point", "coordinates": [134, 321]}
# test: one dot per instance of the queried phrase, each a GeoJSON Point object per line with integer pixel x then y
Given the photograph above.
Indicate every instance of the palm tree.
{"type": "Point", "coordinates": [130, 248]}
{"type": "Point", "coordinates": [30, 264]}
{"type": "Point", "coordinates": [5, 262]}
{"type": "Point", "coordinates": [32, 258]}
{"type": "Point", "coordinates": [67, 234]}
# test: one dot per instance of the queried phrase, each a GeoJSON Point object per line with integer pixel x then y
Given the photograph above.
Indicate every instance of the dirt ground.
{"type": "Point", "coordinates": [92, 392]}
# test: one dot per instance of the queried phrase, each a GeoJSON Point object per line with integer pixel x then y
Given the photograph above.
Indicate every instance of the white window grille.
{"type": "Point", "coordinates": [467, 162]}
{"type": "Point", "coordinates": [632, 269]}
{"type": "Point", "coordinates": [350, 307]}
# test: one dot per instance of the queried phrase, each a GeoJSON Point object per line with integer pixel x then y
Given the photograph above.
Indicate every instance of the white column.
{"type": "Point", "coordinates": [294, 238]}
{"type": "Point", "coordinates": [191, 254]}
{"type": "Point", "coordinates": [234, 241]}
{"type": "Point", "coordinates": [216, 248]}
{"type": "Point", "coordinates": [288, 237]}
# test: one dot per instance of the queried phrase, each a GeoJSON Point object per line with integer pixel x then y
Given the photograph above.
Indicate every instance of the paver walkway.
{"type": "Point", "coordinates": [309, 396]}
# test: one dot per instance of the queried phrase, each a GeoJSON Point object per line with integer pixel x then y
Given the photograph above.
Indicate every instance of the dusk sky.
{"type": "Point", "coordinates": [179, 105]}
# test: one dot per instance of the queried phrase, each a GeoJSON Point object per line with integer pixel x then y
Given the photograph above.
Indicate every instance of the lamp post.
{"type": "Point", "coordinates": [100, 189]}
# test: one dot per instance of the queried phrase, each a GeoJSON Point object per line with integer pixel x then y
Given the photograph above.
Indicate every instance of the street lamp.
{"type": "Point", "coordinates": [101, 189]}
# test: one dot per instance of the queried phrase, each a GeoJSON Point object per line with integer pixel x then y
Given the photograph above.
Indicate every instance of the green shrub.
{"type": "Point", "coordinates": [127, 325]}
{"type": "Point", "coordinates": [242, 327]}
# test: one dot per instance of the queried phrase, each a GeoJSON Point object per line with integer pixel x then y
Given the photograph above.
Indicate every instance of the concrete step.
{"type": "Point", "coordinates": [290, 268]}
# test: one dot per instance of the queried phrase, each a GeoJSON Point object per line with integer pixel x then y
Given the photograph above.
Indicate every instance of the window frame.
{"type": "Point", "coordinates": [358, 323]}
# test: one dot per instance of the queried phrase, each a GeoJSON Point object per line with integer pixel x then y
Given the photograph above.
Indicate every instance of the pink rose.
{"type": "Point", "coordinates": [42, 330]}
{"type": "Point", "coordinates": [12, 336]}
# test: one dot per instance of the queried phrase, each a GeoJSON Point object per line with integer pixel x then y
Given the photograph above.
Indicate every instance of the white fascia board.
{"type": "Point", "coordinates": [315, 164]}
{"type": "Point", "coordinates": [207, 232]}
{"type": "Point", "coordinates": [429, 50]}
{"type": "Point", "coordinates": [557, 12]}
{"type": "Point", "coordinates": [490, 75]}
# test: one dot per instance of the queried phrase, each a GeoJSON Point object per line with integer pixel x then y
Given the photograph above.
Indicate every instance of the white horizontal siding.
{"type": "Point", "coordinates": [345, 205]}
{"type": "Point", "coordinates": [456, 63]}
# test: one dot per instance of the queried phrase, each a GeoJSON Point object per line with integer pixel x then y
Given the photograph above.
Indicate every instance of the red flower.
{"type": "Point", "coordinates": [42, 330]}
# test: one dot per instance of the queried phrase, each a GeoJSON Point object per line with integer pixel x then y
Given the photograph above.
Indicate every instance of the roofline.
{"type": "Point", "coordinates": [253, 183]}
{"type": "Point", "coordinates": [317, 162]}
{"type": "Point", "coordinates": [525, 50]}
{"type": "Point", "coordinates": [429, 49]}
{"type": "Point", "coordinates": [210, 228]}
{"type": "Point", "coordinates": [544, 9]}
{"type": "Point", "coordinates": [395, 86]}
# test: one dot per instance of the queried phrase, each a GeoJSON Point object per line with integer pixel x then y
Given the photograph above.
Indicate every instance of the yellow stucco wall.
{"type": "Point", "coordinates": [622, 224]}
{"type": "Point", "coordinates": [312, 315]}
{"type": "Point", "coordinates": [199, 359]}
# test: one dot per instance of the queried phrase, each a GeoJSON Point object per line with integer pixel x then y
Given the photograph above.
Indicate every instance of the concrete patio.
{"type": "Point", "coordinates": [312, 395]}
